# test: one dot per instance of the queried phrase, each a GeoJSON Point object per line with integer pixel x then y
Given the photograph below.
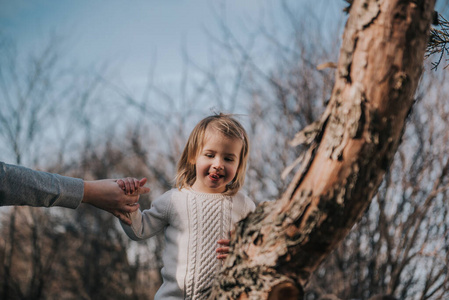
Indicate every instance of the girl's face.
{"type": "Point", "coordinates": [217, 162]}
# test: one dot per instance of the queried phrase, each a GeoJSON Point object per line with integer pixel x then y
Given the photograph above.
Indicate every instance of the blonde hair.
{"type": "Point", "coordinates": [228, 126]}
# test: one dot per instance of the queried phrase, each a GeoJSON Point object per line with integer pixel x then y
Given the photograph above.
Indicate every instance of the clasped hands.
{"type": "Point", "coordinates": [108, 195]}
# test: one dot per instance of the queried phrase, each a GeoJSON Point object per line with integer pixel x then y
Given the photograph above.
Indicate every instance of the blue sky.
{"type": "Point", "coordinates": [132, 35]}
{"type": "Point", "coordinates": [129, 34]}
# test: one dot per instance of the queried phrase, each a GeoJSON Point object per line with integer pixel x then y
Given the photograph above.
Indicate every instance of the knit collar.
{"type": "Point", "coordinates": [206, 195]}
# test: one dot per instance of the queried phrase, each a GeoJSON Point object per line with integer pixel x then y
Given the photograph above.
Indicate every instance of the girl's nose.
{"type": "Point", "coordinates": [218, 165]}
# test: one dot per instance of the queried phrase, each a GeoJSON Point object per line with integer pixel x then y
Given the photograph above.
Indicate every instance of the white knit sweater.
{"type": "Point", "coordinates": [193, 223]}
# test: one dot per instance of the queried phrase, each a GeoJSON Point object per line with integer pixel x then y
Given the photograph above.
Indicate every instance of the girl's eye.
{"type": "Point", "coordinates": [229, 159]}
{"type": "Point", "coordinates": [209, 155]}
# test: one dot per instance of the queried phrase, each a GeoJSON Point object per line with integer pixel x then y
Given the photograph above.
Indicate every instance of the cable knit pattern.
{"type": "Point", "coordinates": [192, 224]}
{"type": "Point", "coordinates": [193, 217]}
{"type": "Point", "coordinates": [213, 218]}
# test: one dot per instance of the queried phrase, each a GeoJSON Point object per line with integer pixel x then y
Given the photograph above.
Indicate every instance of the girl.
{"type": "Point", "coordinates": [200, 211]}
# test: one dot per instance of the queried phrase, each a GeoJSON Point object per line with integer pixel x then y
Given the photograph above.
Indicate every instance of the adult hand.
{"type": "Point", "coordinates": [107, 195]}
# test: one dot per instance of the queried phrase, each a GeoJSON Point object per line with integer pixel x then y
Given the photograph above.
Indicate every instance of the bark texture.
{"type": "Point", "coordinates": [275, 249]}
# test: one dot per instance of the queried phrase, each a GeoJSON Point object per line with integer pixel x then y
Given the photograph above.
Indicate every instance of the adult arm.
{"type": "Point", "coordinates": [23, 186]}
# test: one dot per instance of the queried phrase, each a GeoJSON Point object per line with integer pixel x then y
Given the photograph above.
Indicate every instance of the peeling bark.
{"type": "Point", "coordinates": [275, 249]}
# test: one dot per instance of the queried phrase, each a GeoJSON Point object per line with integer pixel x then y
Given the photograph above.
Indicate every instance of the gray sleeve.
{"type": "Point", "coordinates": [23, 186]}
{"type": "Point", "coordinates": [151, 221]}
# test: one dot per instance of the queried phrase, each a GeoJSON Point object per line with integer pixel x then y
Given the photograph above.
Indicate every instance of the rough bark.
{"type": "Point", "coordinates": [275, 249]}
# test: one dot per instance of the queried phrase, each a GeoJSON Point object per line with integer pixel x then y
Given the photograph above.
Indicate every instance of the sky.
{"type": "Point", "coordinates": [132, 35]}
{"type": "Point", "coordinates": [128, 33]}
{"type": "Point", "coordinates": [136, 35]}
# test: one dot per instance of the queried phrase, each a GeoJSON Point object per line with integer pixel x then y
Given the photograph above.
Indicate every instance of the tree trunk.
{"type": "Point", "coordinates": [275, 250]}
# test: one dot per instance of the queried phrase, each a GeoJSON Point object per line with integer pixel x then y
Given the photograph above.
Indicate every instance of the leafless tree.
{"type": "Point", "coordinates": [44, 122]}
{"type": "Point", "coordinates": [28, 99]}
{"type": "Point", "coordinates": [398, 247]}
{"type": "Point", "coordinates": [276, 249]}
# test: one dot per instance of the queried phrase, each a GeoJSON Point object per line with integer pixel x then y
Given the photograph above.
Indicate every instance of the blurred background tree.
{"type": "Point", "coordinates": [85, 123]}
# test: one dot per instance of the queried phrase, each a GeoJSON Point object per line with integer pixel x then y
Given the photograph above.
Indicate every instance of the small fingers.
{"type": "Point", "coordinates": [225, 242]}
{"type": "Point", "coordinates": [222, 256]}
{"type": "Point", "coordinates": [121, 184]}
{"type": "Point", "coordinates": [222, 250]}
{"type": "Point", "coordinates": [135, 185]}
{"type": "Point", "coordinates": [129, 185]}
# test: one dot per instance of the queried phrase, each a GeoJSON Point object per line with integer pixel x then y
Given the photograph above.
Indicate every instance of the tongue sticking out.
{"type": "Point", "coordinates": [214, 176]}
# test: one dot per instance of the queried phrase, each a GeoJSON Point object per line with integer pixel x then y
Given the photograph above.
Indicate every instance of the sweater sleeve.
{"type": "Point", "coordinates": [23, 186]}
{"type": "Point", "coordinates": [149, 222]}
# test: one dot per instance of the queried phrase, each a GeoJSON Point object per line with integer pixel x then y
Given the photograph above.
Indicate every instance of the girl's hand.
{"type": "Point", "coordinates": [131, 185]}
{"type": "Point", "coordinates": [223, 250]}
